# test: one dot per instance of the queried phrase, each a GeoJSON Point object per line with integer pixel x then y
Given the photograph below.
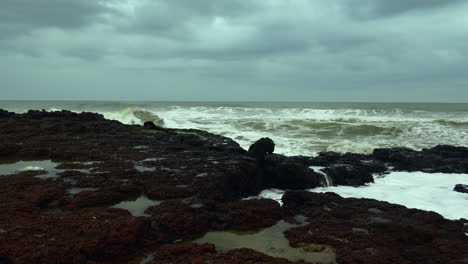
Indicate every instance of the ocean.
{"type": "Point", "coordinates": [296, 128]}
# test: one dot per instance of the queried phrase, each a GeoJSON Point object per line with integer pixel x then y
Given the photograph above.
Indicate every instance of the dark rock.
{"type": "Point", "coordinates": [174, 220]}
{"type": "Point", "coordinates": [152, 126]}
{"type": "Point", "coordinates": [201, 177]}
{"type": "Point", "coordinates": [5, 114]}
{"type": "Point", "coordinates": [396, 235]}
{"type": "Point", "coordinates": [366, 162]}
{"type": "Point", "coordinates": [288, 173]}
{"type": "Point", "coordinates": [9, 149]}
{"type": "Point", "coordinates": [108, 196]}
{"type": "Point", "coordinates": [261, 148]}
{"type": "Point", "coordinates": [244, 215]}
{"type": "Point", "coordinates": [463, 188]}
{"type": "Point", "coordinates": [108, 235]}
{"type": "Point", "coordinates": [342, 174]}
{"type": "Point", "coordinates": [447, 151]}
{"type": "Point", "coordinates": [445, 159]}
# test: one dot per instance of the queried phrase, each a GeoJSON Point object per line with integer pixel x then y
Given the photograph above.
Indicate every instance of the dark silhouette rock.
{"type": "Point", "coordinates": [261, 148]}
{"type": "Point", "coordinates": [5, 114]}
{"type": "Point", "coordinates": [463, 188]}
{"type": "Point", "coordinates": [8, 149]}
{"type": "Point", "coordinates": [366, 162]}
{"type": "Point", "coordinates": [152, 126]}
{"type": "Point", "coordinates": [343, 174]}
{"type": "Point", "coordinates": [289, 173]}
{"type": "Point", "coordinates": [442, 158]}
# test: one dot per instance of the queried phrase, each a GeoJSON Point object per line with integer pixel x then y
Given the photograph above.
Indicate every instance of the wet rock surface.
{"type": "Point", "coordinates": [198, 180]}
{"type": "Point", "coordinates": [442, 158]}
{"type": "Point", "coordinates": [463, 188]}
{"type": "Point", "coordinates": [370, 231]}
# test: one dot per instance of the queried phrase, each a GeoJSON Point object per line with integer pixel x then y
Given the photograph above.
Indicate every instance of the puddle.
{"type": "Point", "coordinates": [271, 241]}
{"type": "Point", "coordinates": [143, 168]}
{"type": "Point", "coordinates": [201, 175]}
{"type": "Point", "coordinates": [137, 207]}
{"type": "Point", "coordinates": [147, 259]}
{"type": "Point", "coordinates": [78, 190]}
{"type": "Point", "coordinates": [153, 159]}
{"type": "Point", "coordinates": [37, 165]}
{"type": "Point", "coordinates": [141, 147]}
{"type": "Point", "coordinates": [273, 194]}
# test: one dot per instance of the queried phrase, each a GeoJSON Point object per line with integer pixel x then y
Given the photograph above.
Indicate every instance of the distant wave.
{"type": "Point", "coordinates": [134, 115]}
{"type": "Point", "coordinates": [296, 128]}
{"type": "Point", "coordinates": [457, 123]}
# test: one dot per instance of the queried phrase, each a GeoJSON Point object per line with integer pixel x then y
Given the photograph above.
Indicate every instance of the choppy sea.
{"type": "Point", "coordinates": [296, 128]}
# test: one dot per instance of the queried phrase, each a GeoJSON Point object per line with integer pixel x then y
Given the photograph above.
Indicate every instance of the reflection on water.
{"type": "Point", "coordinates": [271, 241]}
{"type": "Point", "coordinates": [137, 207]}
{"type": "Point", "coordinates": [37, 165]}
{"type": "Point", "coordinates": [50, 168]}
{"type": "Point", "coordinates": [76, 190]}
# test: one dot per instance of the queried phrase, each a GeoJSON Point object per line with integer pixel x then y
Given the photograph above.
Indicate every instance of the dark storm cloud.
{"type": "Point", "coordinates": [383, 8]}
{"type": "Point", "coordinates": [268, 39]}
{"type": "Point", "coordinates": [173, 19]}
{"type": "Point", "coordinates": [353, 49]}
{"type": "Point", "coordinates": [50, 13]}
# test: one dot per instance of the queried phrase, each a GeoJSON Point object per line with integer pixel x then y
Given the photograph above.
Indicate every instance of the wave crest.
{"type": "Point", "coordinates": [134, 115]}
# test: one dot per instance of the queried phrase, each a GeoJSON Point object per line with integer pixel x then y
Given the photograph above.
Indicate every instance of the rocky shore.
{"type": "Point", "coordinates": [116, 193]}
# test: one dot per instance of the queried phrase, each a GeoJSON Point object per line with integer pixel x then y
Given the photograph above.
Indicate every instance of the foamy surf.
{"type": "Point", "coordinates": [425, 191]}
{"type": "Point", "coordinates": [296, 128]}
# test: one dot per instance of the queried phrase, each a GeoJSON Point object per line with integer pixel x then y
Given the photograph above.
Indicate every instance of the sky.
{"type": "Point", "coordinates": [234, 50]}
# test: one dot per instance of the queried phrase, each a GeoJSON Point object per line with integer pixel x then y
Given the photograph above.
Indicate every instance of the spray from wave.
{"type": "Point", "coordinates": [309, 131]}
{"type": "Point", "coordinates": [134, 115]}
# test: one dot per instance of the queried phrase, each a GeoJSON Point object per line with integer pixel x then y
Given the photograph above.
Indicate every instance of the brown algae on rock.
{"type": "Point", "coordinates": [271, 241]}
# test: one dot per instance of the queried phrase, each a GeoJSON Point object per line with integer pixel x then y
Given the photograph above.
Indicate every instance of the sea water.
{"type": "Point", "coordinates": [296, 128]}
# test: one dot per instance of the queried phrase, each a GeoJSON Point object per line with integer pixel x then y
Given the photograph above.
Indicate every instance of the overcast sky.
{"type": "Point", "coordinates": [234, 50]}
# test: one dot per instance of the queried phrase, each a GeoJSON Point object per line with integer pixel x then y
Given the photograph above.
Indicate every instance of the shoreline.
{"type": "Point", "coordinates": [198, 179]}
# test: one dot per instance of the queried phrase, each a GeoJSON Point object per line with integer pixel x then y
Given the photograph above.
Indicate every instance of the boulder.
{"type": "Point", "coordinates": [152, 126]}
{"type": "Point", "coordinates": [288, 173]}
{"type": "Point", "coordinates": [5, 114]}
{"type": "Point", "coordinates": [261, 148]}
{"type": "Point", "coordinates": [343, 174]}
{"type": "Point", "coordinates": [463, 188]}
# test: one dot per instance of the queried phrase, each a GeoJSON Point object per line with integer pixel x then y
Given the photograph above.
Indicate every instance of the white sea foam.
{"type": "Point", "coordinates": [300, 129]}
{"type": "Point", "coordinates": [349, 146]}
{"type": "Point", "coordinates": [425, 191]}
{"type": "Point", "coordinates": [309, 131]}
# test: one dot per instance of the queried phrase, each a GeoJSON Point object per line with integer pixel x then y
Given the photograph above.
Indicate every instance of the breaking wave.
{"type": "Point", "coordinates": [134, 115]}
{"type": "Point", "coordinates": [296, 128]}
